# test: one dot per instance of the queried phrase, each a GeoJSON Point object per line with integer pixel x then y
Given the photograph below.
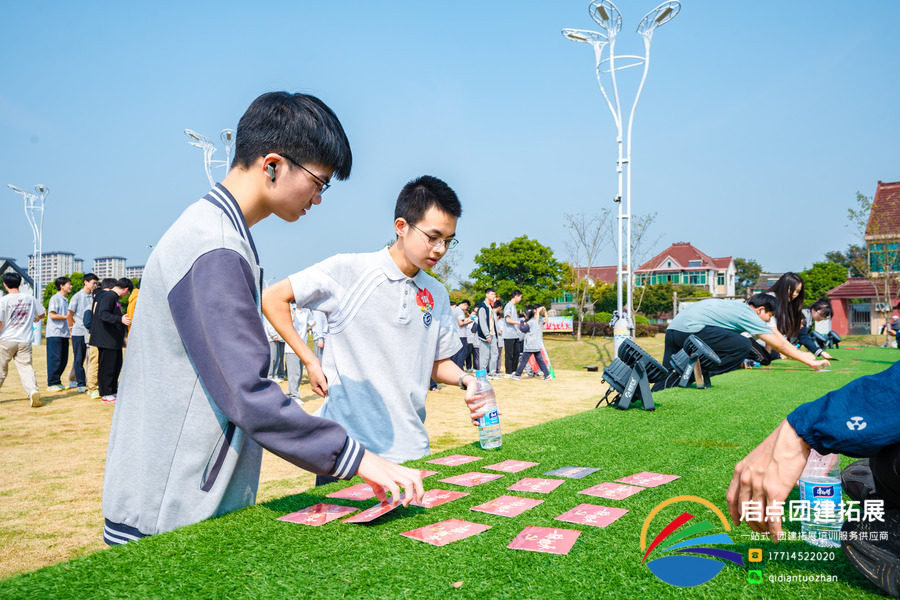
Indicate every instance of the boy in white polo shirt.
{"type": "Point", "coordinates": [390, 326]}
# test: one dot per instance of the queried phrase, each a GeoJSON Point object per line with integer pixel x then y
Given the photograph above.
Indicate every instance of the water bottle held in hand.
{"type": "Point", "coordinates": [820, 485]}
{"type": "Point", "coordinates": [489, 423]}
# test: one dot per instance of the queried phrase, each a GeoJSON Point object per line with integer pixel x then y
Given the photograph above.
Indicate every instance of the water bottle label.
{"type": "Point", "coordinates": [490, 418]}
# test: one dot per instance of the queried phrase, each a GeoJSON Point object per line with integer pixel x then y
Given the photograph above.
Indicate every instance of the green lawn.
{"type": "Point", "coordinates": [697, 434]}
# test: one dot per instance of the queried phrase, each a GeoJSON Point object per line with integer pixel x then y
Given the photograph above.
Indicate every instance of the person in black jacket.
{"type": "Point", "coordinates": [108, 329]}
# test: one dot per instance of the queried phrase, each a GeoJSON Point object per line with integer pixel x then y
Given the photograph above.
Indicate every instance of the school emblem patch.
{"type": "Point", "coordinates": [426, 318]}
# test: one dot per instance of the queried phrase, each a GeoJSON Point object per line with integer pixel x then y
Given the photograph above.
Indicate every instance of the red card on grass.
{"type": "Point", "coordinates": [360, 491]}
{"type": "Point", "coordinates": [471, 479]}
{"type": "Point", "coordinates": [427, 473]}
{"type": "Point", "coordinates": [545, 539]}
{"type": "Point", "coordinates": [437, 497]}
{"type": "Point", "coordinates": [507, 506]}
{"type": "Point", "coordinates": [646, 479]}
{"type": "Point", "coordinates": [370, 514]}
{"type": "Point", "coordinates": [532, 484]}
{"type": "Point", "coordinates": [613, 491]}
{"type": "Point", "coordinates": [455, 460]}
{"type": "Point", "coordinates": [318, 514]}
{"type": "Point", "coordinates": [591, 514]}
{"type": "Point", "coordinates": [512, 466]}
{"type": "Point", "coordinates": [445, 532]}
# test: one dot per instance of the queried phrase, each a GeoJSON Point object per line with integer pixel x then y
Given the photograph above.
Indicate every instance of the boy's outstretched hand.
{"type": "Point", "coordinates": [385, 476]}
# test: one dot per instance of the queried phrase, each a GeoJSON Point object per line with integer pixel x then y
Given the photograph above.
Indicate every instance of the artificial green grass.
{"type": "Point", "coordinates": [697, 434]}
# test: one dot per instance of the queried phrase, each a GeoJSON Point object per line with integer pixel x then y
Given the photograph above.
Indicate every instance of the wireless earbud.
{"type": "Point", "coordinates": [271, 170]}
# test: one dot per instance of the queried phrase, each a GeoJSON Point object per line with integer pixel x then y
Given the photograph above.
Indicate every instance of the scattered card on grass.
{"type": "Point", "coordinates": [572, 472]}
{"type": "Point", "coordinates": [646, 479]}
{"type": "Point", "coordinates": [507, 506]}
{"type": "Point", "coordinates": [540, 486]}
{"type": "Point", "coordinates": [370, 514]}
{"type": "Point", "coordinates": [512, 466]}
{"type": "Point", "coordinates": [471, 479]}
{"type": "Point", "coordinates": [360, 491]}
{"type": "Point", "coordinates": [613, 491]}
{"type": "Point", "coordinates": [318, 514]}
{"type": "Point", "coordinates": [545, 539]}
{"type": "Point", "coordinates": [454, 460]}
{"type": "Point", "coordinates": [591, 514]}
{"type": "Point", "coordinates": [425, 473]}
{"type": "Point", "coordinates": [445, 532]}
{"type": "Point", "coordinates": [437, 497]}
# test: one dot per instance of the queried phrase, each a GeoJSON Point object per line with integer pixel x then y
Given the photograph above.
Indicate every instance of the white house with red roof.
{"type": "Point", "coordinates": [683, 263]}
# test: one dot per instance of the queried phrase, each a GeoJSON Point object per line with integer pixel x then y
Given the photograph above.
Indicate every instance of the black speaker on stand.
{"type": "Point", "coordinates": [630, 376]}
{"type": "Point", "coordinates": [691, 359]}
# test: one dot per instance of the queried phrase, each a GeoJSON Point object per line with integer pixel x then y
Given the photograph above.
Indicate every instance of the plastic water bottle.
{"type": "Point", "coordinates": [489, 424]}
{"type": "Point", "coordinates": [820, 484]}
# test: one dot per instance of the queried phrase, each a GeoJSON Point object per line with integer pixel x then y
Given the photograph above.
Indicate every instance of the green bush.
{"type": "Point", "coordinates": [641, 320]}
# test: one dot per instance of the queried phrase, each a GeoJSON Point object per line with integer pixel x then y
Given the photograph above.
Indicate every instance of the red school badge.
{"type": "Point", "coordinates": [424, 299]}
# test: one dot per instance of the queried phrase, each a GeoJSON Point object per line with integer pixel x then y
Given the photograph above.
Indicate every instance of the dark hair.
{"type": "Point", "coordinates": [515, 293]}
{"type": "Point", "coordinates": [108, 282]}
{"type": "Point", "coordinates": [420, 194]}
{"type": "Point", "coordinates": [125, 284]}
{"type": "Point", "coordinates": [497, 304]}
{"type": "Point", "coordinates": [12, 280]}
{"type": "Point", "coordinates": [61, 281]}
{"type": "Point", "coordinates": [298, 125]}
{"type": "Point", "coordinates": [488, 291]}
{"type": "Point", "coordinates": [789, 317]}
{"type": "Point", "coordinates": [529, 314]}
{"type": "Point", "coordinates": [89, 277]}
{"type": "Point", "coordinates": [823, 305]}
{"type": "Point", "coordinates": [767, 301]}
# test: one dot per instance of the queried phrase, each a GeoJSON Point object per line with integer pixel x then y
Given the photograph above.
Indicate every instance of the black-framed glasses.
{"type": "Point", "coordinates": [436, 240]}
{"type": "Point", "coordinates": [321, 185]}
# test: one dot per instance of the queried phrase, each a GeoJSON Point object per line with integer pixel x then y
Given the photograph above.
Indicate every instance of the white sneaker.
{"type": "Point", "coordinates": [35, 398]}
{"type": "Point", "coordinates": [108, 399]}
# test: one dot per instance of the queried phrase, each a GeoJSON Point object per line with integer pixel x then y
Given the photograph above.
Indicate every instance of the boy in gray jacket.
{"type": "Point", "coordinates": [195, 407]}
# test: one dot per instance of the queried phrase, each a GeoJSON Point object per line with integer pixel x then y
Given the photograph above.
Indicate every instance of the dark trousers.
{"type": "Point", "coordinates": [885, 467]}
{"type": "Point", "coordinates": [459, 359]}
{"type": "Point", "coordinates": [513, 352]}
{"type": "Point", "coordinates": [79, 351]}
{"type": "Point", "coordinates": [540, 362]}
{"type": "Point", "coordinates": [57, 357]}
{"type": "Point", "coordinates": [472, 357]}
{"type": "Point", "coordinates": [730, 346]}
{"type": "Point", "coordinates": [109, 364]}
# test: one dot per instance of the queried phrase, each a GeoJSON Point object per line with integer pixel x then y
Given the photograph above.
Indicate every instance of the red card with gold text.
{"type": "Point", "coordinates": [471, 479]}
{"type": "Point", "coordinates": [646, 479]}
{"type": "Point", "coordinates": [539, 486]}
{"type": "Point", "coordinates": [507, 506]}
{"type": "Point", "coordinates": [360, 491]}
{"type": "Point", "coordinates": [318, 514]}
{"type": "Point", "coordinates": [454, 460]}
{"type": "Point", "coordinates": [512, 466]}
{"type": "Point", "coordinates": [437, 497]}
{"type": "Point", "coordinates": [372, 513]}
{"type": "Point", "coordinates": [545, 539]}
{"type": "Point", "coordinates": [445, 532]}
{"type": "Point", "coordinates": [613, 491]}
{"type": "Point", "coordinates": [591, 514]}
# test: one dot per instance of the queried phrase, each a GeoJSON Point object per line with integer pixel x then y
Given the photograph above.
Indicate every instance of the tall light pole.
{"type": "Point", "coordinates": [34, 212]}
{"type": "Point", "coordinates": [607, 16]}
{"type": "Point", "coordinates": [209, 148]}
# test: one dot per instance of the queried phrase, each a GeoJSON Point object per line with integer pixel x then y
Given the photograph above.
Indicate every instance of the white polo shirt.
{"type": "Point", "coordinates": [386, 330]}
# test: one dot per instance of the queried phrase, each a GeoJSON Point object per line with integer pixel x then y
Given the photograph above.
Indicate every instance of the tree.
{"type": "Point", "coordinates": [746, 273]}
{"type": "Point", "coordinates": [587, 237]}
{"type": "Point", "coordinates": [881, 263]}
{"type": "Point", "coordinates": [854, 254]}
{"type": "Point", "coordinates": [820, 278]}
{"type": "Point", "coordinates": [521, 264]}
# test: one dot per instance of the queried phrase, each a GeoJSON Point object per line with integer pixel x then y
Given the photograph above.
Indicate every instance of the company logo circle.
{"type": "Point", "coordinates": [680, 568]}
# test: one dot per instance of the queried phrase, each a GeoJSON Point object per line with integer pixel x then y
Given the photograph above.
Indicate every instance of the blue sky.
{"type": "Point", "coordinates": [757, 125]}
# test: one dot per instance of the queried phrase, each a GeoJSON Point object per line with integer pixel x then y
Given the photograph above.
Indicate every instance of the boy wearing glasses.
{"type": "Point", "coordinates": [193, 451]}
{"type": "Point", "coordinates": [390, 326]}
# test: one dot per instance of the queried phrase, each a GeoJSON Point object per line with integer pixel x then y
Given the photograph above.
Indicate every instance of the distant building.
{"type": "Point", "coordinates": [54, 263]}
{"type": "Point", "coordinates": [109, 266]}
{"type": "Point", "coordinates": [134, 272]}
{"type": "Point", "coordinates": [79, 265]}
{"type": "Point", "coordinates": [764, 282]}
{"type": "Point", "coordinates": [682, 263]}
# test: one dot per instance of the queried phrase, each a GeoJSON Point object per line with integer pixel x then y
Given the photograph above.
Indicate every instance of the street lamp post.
{"type": "Point", "coordinates": [209, 148]}
{"type": "Point", "coordinates": [607, 16]}
{"type": "Point", "coordinates": [34, 212]}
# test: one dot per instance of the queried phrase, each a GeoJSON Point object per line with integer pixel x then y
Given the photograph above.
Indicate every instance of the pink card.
{"type": "Point", "coordinates": [512, 466]}
{"type": "Point", "coordinates": [427, 473]}
{"type": "Point", "coordinates": [613, 491]}
{"type": "Point", "coordinates": [370, 514]}
{"type": "Point", "coordinates": [545, 539]}
{"type": "Point", "coordinates": [507, 506]}
{"type": "Point", "coordinates": [437, 497]}
{"type": "Point", "coordinates": [646, 479]}
{"type": "Point", "coordinates": [540, 486]}
{"type": "Point", "coordinates": [318, 514]}
{"type": "Point", "coordinates": [445, 532]}
{"type": "Point", "coordinates": [360, 491]}
{"type": "Point", "coordinates": [572, 472]}
{"type": "Point", "coordinates": [455, 460]}
{"type": "Point", "coordinates": [471, 479]}
{"type": "Point", "coordinates": [591, 514]}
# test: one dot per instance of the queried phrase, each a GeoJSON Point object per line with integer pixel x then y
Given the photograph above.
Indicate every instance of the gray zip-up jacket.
{"type": "Point", "coordinates": [194, 404]}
